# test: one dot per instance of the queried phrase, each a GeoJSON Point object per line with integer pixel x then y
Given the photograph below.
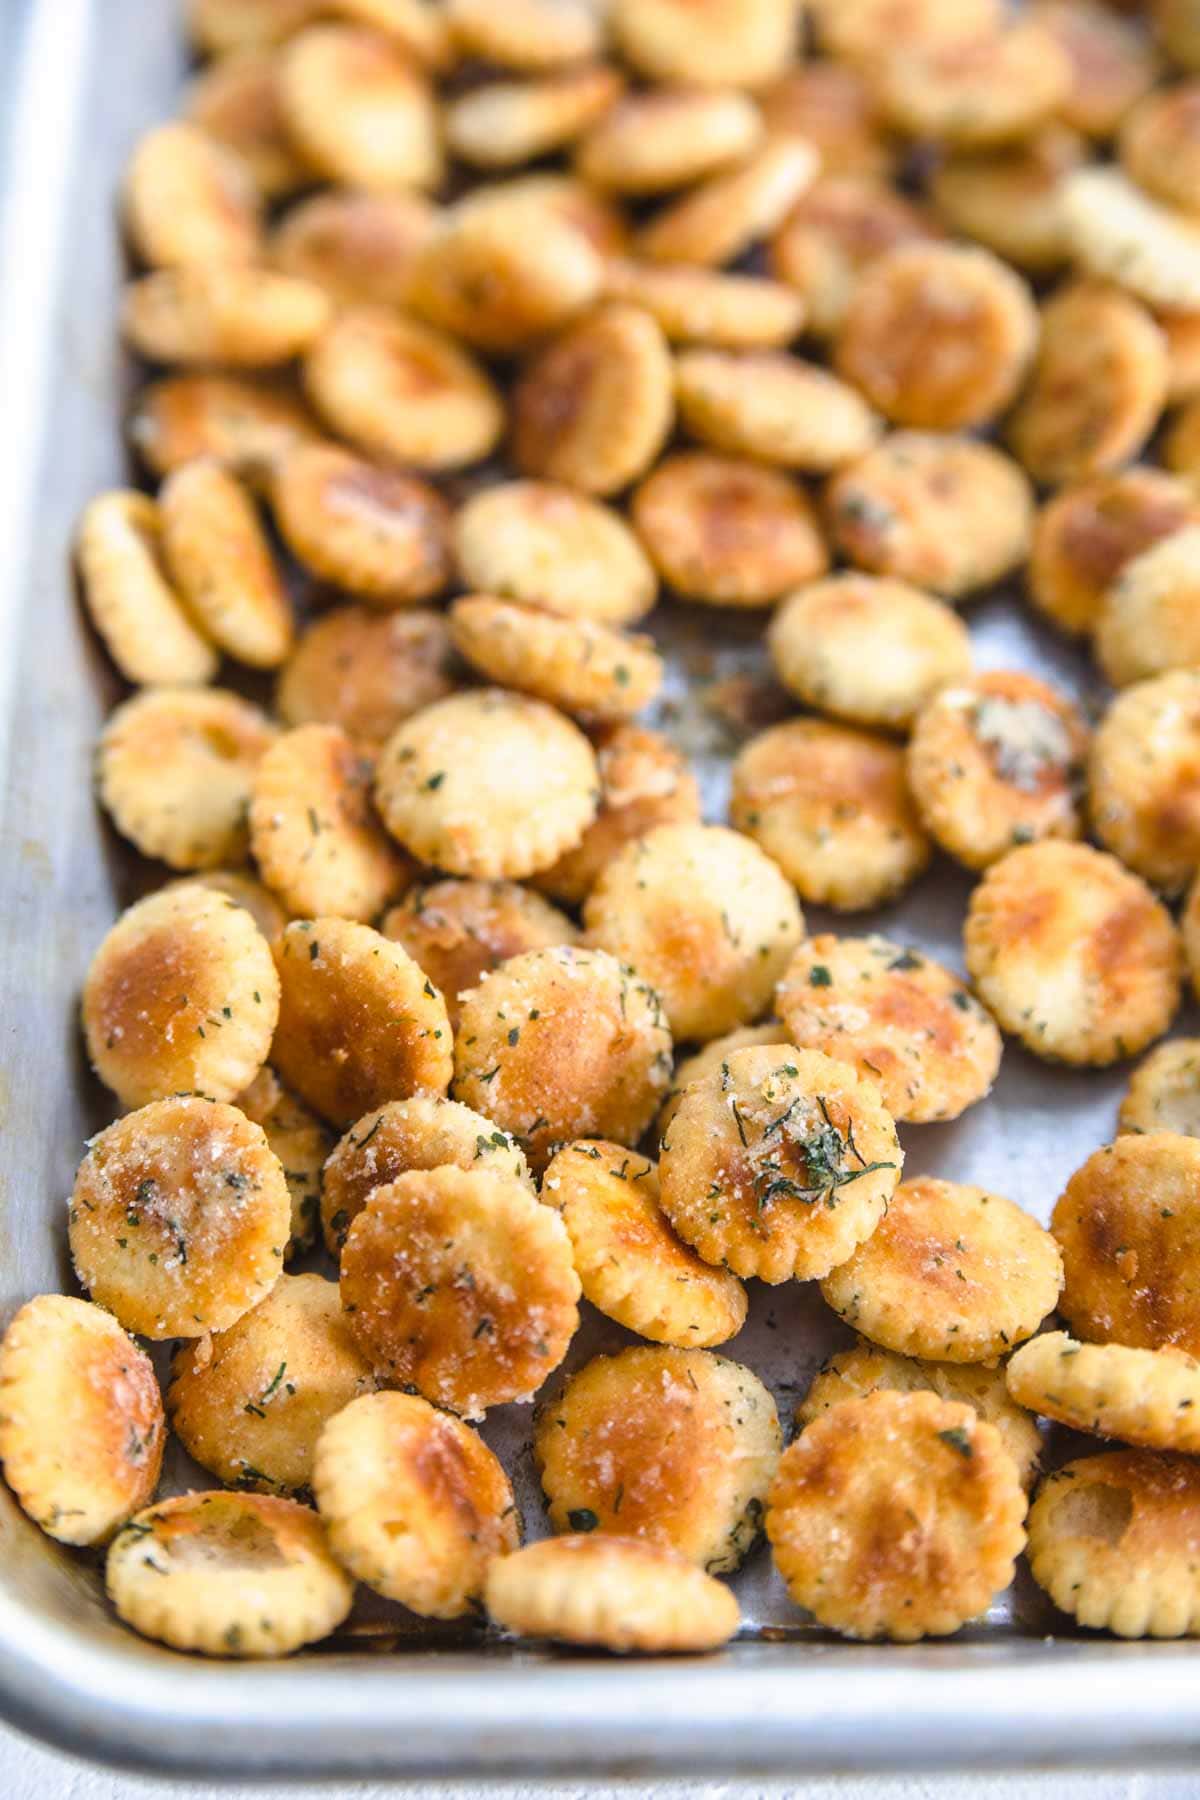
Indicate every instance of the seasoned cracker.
{"type": "Point", "coordinates": [831, 104]}
{"type": "Point", "coordinates": [723, 216]}
{"type": "Point", "coordinates": [1164, 1090]}
{"type": "Point", "coordinates": [631, 1265]}
{"type": "Point", "coordinates": [952, 1272]}
{"type": "Point", "coordinates": [300, 1141]}
{"type": "Point", "coordinates": [897, 1516]}
{"type": "Point", "coordinates": [174, 768]}
{"type": "Point", "coordinates": [459, 931]}
{"type": "Point", "coordinates": [188, 200]}
{"type": "Point", "coordinates": [704, 916]}
{"type": "Point", "coordinates": [461, 1283]}
{"type": "Point", "coordinates": [1120, 234]}
{"type": "Point", "coordinates": [1147, 1397]}
{"type": "Point", "coordinates": [583, 667]}
{"type": "Point", "coordinates": [773, 407]}
{"type": "Point", "coordinates": [1160, 145]}
{"type": "Point", "coordinates": [1144, 778]}
{"type": "Point", "coordinates": [1010, 200]}
{"type": "Point", "coordinates": [948, 514]}
{"type": "Point", "coordinates": [563, 1043]}
{"type": "Point", "coordinates": [399, 390]}
{"type": "Point", "coordinates": [145, 626]}
{"type": "Point", "coordinates": [526, 34]}
{"type": "Point", "coordinates": [488, 784]}
{"type": "Point", "coordinates": [937, 336]}
{"type": "Point", "coordinates": [997, 760]}
{"type": "Point", "coordinates": [227, 314]}
{"type": "Point", "coordinates": [359, 110]}
{"type": "Point", "coordinates": [594, 408]}
{"type": "Point", "coordinates": [706, 42]}
{"type": "Point", "coordinates": [179, 1217]}
{"type": "Point", "coordinates": [1072, 954]}
{"type": "Point", "coordinates": [597, 216]}
{"type": "Point", "coordinates": [244, 890]}
{"type": "Point", "coordinates": [1182, 333]}
{"type": "Point", "coordinates": [181, 996]}
{"type": "Point", "coordinates": [548, 546]}
{"type": "Point", "coordinates": [832, 807]}
{"type": "Point", "coordinates": [425, 1132]}
{"type": "Point", "coordinates": [975, 91]}
{"type": "Point", "coordinates": [1128, 1224]}
{"type": "Point", "coordinates": [249, 1403]}
{"type": "Point", "coordinates": [1147, 623]}
{"type": "Point", "coordinates": [359, 247]}
{"type": "Point", "coordinates": [501, 124]}
{"type": "Point", "coordinates": [414, 1502]}
{"type": "Point", "coordinates": [501, 271]}
{"type": "Point", "coordinates": [779, 1164]}
{"type": "Point", "coordinates": [219, 27]}
{"type": "Point", "coordinates": [236, 100]}
{"type": "Point", "coordinates": [81, 1421]}
{"type": "Point", "coordinates": [851, 1374]}
{"type": "Point", "coordinates": [218, 556]}
{"type": "Point", "coordinates": [1112, 1540]}
{"type": "Point", "coordinates": [1083, 413]}
{"type": "Point", "coordinates": [661, 138]}
{"type": "Point", "coordinates": [359, 1022]}
{"type": "Point", "coordinates": [418, 27]}
{"type": "Point", "coordinates": [855, 29]}
{"type": "Point", "coordinates": [314, 831]}
{"type": "Point", "coordinates": [644, 782]}
{"type": "Point", "coordinates": [1087, 533]}
{"type": "Point", "coordinates": [708, 306]}
{"type": "Point", "coordinates": [918, 646]}
{"type": "Point", "coordinates": [675, 1448]}
{"type": "Point", "coordinates": [612, 1593]}
{"type": "Point", "coordinates": [836, 231]}
{"type": "Point", "coordinates": [726, 530]}
{"type": "Point", "coordinates": [1112, 62]}
{"type": "Point", "coordinates": [243, 423]}
{"type": "Point", "coordinates": [367, 671]}
{"type": "Point", "coordinates": [374, 532]}
{"type": "Point", "coordinates": [899, 1017]}
{"type": "Point", "coordinates": [233, 1575]}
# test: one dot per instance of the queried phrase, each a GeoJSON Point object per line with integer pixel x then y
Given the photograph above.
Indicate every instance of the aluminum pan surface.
{"type": "Point", "coordinates": [793, 1698]}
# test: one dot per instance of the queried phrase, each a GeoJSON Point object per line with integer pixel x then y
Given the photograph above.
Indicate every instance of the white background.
{"type": "Point", "coordinates": [28, 1772]}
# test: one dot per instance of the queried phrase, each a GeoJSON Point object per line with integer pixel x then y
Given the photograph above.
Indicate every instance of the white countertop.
{"type": "Point", "coordinates": [30, 1772]}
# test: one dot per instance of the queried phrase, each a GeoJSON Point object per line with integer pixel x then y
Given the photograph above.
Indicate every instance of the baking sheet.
{"type": "Point", "coordinates": [786, 1695]}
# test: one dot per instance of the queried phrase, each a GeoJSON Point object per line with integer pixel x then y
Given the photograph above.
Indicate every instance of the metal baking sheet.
{"type": "Point", "coordinates": [1021, 1686]}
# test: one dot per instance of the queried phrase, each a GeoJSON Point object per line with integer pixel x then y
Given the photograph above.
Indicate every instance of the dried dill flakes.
{"type": "Point", "coordinates": [803, 1156]}
{"type": "Point", "coordinates": [958, 1438]}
